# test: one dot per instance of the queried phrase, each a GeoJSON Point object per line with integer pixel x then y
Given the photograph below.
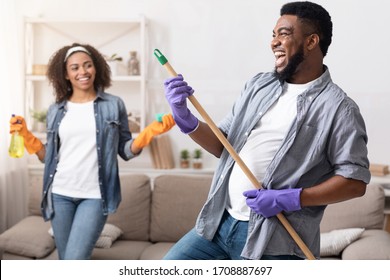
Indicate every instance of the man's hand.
{"type": "Point", "coordinates": [176, 92]}
{"type": "Point", "coordinates": [269, 203]}
{"type": "Point", "coordinates": [32, 144]}
{"type": "Point", "coordinates": [154, 129]}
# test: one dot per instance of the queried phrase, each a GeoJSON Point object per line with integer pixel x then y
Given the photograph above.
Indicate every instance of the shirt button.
{"type": "Point", "coordinates": [246, 133]}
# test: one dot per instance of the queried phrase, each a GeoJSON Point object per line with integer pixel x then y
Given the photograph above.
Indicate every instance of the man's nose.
{"type": "Point", "coordinates": [275, 42]}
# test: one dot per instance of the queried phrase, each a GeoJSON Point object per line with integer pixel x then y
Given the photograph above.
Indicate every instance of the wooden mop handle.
{"type": "Point", "coordinates": [235, 156]}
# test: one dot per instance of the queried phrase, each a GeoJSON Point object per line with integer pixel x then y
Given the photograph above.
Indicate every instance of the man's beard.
{"type": "Point", "coordinates": [291, 67]}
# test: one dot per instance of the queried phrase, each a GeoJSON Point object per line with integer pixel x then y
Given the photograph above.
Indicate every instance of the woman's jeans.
{"type": "Point", "coordinates": [227, 244]}
{"type": "Point", "coordinates": [77, 225]}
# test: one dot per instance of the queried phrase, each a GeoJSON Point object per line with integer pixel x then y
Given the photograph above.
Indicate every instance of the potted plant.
{"type": "Point", "coordinates": [112, 61]}
{"type": "Point", "coordinates": [184, 158]}
{"type": "Point", "coordinates": [40, 118]}
{"type": "Point", "coordinates": [197, 159]}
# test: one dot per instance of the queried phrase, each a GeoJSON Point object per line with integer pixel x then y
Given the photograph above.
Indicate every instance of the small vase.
{"type": "Point", "coordinates": [197, 163]}
{"type": "Point", "coordinates": [184, 163]}
{"type": "Point", "coordinates": [133, 64]}
{"type": "Point", "coordinates": [113, 67]}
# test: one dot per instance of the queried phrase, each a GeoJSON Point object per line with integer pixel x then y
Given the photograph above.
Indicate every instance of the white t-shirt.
{"type": "Point", "coordinates": [261, 146]}
{"type": "Point", "coordinates": [77, 170]}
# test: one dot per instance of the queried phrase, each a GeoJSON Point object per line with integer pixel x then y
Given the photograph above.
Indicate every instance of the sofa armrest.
{"type": "Point", "coordinates": [374, 244]}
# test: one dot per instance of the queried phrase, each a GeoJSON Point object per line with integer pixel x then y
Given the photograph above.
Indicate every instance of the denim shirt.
{"type": "Point", "coordinates": [327, 138]}
{"type": "Point", "coordinates": [113, 137]}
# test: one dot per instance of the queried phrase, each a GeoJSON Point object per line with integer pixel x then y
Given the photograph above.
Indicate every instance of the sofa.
{"type": "Point", "coordinates": [156, 212]}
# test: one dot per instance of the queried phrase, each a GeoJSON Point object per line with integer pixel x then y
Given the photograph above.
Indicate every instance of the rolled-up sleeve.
{"type": "Point", "coordinates": [348, 143]}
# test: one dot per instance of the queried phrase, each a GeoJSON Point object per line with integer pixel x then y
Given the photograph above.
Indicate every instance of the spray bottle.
{"type": "Point", "coordinates": [16, 148]}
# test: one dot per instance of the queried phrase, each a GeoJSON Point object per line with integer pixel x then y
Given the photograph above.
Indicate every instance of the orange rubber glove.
{"type": "Point", "coordinates": [154, 129]}
{"type": "Point", "coordinates": [32, 144]}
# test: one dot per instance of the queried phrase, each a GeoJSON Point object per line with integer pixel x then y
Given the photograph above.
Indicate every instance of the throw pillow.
{"type": "Point", "coordinates": [335, 241]}
{"type": "Point", "coordinates": [109, 234]}
{"type": "Point", "coordinates": [28, 238]}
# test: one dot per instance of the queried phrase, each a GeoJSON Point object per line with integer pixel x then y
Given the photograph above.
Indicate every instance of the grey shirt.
{"type": "Point", "coordinates": [327, 138]}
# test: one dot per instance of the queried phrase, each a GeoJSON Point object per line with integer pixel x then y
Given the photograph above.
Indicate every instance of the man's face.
{"type": "Point", "coordinates": [288, 47]}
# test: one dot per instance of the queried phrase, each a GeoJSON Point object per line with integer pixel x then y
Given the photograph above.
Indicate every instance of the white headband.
{"type": "Point", "coordinates": [76, 49]}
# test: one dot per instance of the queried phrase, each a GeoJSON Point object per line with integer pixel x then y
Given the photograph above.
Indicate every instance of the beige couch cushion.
{"type": "Point", "coordinates": [121, 250]}
{"type": "Point", "coordinates": [374, 244]}
{"type": "Point", "coordinates": [363, 212]}
{"type": "Point", "coordinates": [156, 251]}
{"type": "Point", "coordinates": [29, 237]}
{"type": "Point", "coordinates": [133, 214]}
{"type": "Point", "coordinates": [170, 226]}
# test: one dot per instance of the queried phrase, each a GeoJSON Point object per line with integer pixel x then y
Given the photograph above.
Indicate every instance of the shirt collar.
{"type": "Point", "coordinates": [318, 85]}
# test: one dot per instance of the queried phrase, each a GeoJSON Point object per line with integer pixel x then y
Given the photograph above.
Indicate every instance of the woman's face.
{"type": "Point", "coordinates": [80, 71]}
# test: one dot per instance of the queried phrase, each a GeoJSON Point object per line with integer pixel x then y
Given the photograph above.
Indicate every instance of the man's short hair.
{"type": "Point", "coordinates": [314, 16]}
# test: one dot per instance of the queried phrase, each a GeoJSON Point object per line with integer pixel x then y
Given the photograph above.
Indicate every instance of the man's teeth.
{"type": "Point", "coordinates": [279, 54]}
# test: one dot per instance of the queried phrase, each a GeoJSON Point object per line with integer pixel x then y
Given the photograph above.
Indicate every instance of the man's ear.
{"type": "Point", "coordinates": [312, 42]}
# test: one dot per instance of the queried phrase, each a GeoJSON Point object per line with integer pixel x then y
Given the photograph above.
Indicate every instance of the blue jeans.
{"type": "Point", "coordinates": [227, 244]}
{"type": "Point", "coordinates": [77, 224]}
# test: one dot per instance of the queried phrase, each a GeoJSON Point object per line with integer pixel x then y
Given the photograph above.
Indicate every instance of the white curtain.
{"type": "Point", "coordinates": [13, 172]}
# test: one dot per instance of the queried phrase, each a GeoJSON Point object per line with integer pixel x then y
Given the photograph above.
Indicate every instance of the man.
{"type": "Point", "coordinates": [299, 134]}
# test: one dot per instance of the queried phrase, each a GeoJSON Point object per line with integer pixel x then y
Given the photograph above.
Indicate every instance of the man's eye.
{"type": "Point", "coordinates": [281, 35]}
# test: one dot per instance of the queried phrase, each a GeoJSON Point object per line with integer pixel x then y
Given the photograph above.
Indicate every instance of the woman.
{"type": "Point", "coordinates": [86, 130]}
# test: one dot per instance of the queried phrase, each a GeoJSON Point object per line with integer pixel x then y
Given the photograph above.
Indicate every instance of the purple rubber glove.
{"type": "Point", "coordinates": [176, 92]}
{"type": "Point", "coordinates": [269, 203]}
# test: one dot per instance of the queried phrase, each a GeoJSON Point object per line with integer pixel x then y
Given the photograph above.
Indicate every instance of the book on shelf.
{"type": "Point", "coordinates": [161, 152]}
{"type": "Point", "coordinates": [379, 169]}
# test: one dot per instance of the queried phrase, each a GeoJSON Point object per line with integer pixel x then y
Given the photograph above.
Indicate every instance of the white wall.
{"type": "Point", "coordinates": [218, 45]}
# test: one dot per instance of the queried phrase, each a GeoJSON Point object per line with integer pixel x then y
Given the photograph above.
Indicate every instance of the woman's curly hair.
{"type": "Point", "coordinates": [56, 72]}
